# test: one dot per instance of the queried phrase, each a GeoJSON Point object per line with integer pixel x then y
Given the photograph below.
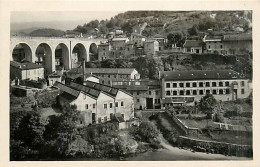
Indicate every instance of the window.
{"type": "Point", "coordinates": [221, 92]}
{"type": "Point", "coordinates": [116, 104]}
{"type": "Point", "coordinates": [122, 103]}
{"type": "Point", "coordinates": [214, 84]}
{"type": "Point", "coordinates": [137, 92]}
{"type": "Point", "coordinates": [111, 105]}
{"type": "Point", "coordinates": [221, 46]}
{"type": "Point", "coordinates": [157, 92]}
{"type": "Point", "coordinates": [181, 85]}
{"type": "Point", "coordinates": [207, 84]}
{"type": "Point", "coordinates": [155, 101]}
{"type": "Point", "coordinates": [207, 91]}
{"type": "Point", "coordinates": [209, 46]}
{"type": "Point", "coordinates": [201, 92]}
{"type": "Point", "coordinates": [105, 106]}
{"type": "Point", "coordinates": [168, 93]}
{"type": "Point", "coordinates": [194, 84]}
{"type": "Point", "coordinates": [108, 76]}
{"type": "Point", "coordinates": [86, 106]}
{"type": "Point", "coordinates": [181, 92]}
{"type": "Point", "coordinates": [227, 83]}
{"type": "Point", "coordinates": [138, 100]}
{"type": "Point", "coordinates": [227, 91]}
{"type": "Point", "coordinates": [103, 81]}
{"type": "Point", "coordinates": [168, 85]}
{"type": "Point", "coordinates": [214, 92]}
{"type": "Point", "coordinates": [194, 92]}
{"type": "Point", "coordinates": [242, 91]}
{"type": "Point", "coordinates": [159, 101]}
{"type": "Point", "coordinates": [94, 105]}
{"type": "Point", "coordinates": [187, 92]}
{"type": "Point", "coordinates": [188, 84]}
{"type": "Point", "coordinates": [201, 84]}
{"type": "Point", "coordinates": [108, 82]}
{"type": "Point", "coordinates": [220, 83]}
{"type": "Point", "coordinates": [242, 83]}
{"type": "Point", "coordinates": [150, 92]}
{"type": "Point", "coordinates": [174, 85]}
{"type": "Point", "coordinates": [114, 76]}
{"type": "Point", "coordinates": [174, 92]}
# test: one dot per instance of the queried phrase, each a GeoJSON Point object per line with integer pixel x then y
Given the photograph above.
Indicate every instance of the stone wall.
{"type": "Point", "coordinates": [216, 147]}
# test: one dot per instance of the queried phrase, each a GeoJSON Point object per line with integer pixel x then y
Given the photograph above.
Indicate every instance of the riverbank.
{"type": "Point", "coordinates": [170, 153]}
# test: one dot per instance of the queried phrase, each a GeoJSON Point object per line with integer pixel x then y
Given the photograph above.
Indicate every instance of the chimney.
{"type": "Point", "coordinates": [84, 77]}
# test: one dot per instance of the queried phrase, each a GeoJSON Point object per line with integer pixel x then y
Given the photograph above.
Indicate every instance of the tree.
{"type": "Point", "coordinates": [207, 105]}
{"type": "Point", "coordinates": [67, 130]}
{"type": "Point", "coordinates": [174, 38]}
{"type": "Point", "coordinates": [193, 30]}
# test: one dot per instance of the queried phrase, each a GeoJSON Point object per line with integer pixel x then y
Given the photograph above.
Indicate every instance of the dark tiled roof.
{"type": "Point", "coordinates": [157, 36]}
{"type": "Point", "coordinates": [199, 75]}
{"type": "Point", "coordinates": [93, 92]}
{"type": "Point", "coordinates": [110, 90]}
{"type": "Point", "coordinates": [102, 70]}
{"type": "Point", "coordinates": [237, 37]}
{"type": "Point", "coordinates": [192, 43]}
{"type": "Point", "coordinates": [67, 89]}
{"type": "Point", "coordinates": [68, 97]}
{"type": "Point", "coordinates": [25, 66]}
{"type": "Point", "coordinates": [110, 70]}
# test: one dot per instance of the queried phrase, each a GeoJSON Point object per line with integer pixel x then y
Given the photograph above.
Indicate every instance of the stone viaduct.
{"type": "Point", "coordinates": [50, 44]}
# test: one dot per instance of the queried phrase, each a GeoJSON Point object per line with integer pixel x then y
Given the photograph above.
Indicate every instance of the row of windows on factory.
{"type": "Point", "coordinates": [201, 92]}
{"type": "Point", "coordinates": [200, 84]}
{"type": "Point", "coordinates": [149, 92]}
{"type": "Point", "coordinates": [106, 105]}
{"type": "Point", "coordinates": [28, 72]}
{"type": "Point", "coordinates": [125, 76]}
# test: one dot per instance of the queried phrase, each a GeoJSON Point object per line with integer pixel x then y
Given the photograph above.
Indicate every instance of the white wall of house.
{"type": "Point", "coordinates": [128, 105]}
{"type": "Point", "coordinates": [103, 107]}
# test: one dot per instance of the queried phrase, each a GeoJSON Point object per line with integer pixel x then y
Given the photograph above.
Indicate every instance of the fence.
{"type": "Point", "coordinates": [216, 147]}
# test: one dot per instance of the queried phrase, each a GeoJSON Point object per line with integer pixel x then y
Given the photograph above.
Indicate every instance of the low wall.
{"type": "Point", "coordinates": [216, 147]}
{"type": "Point", "coordinates": [182, 126]}
{"type": "Point", "coordinates": [34, 84]}
{"type": "Point", "coordinates": [128, 124]}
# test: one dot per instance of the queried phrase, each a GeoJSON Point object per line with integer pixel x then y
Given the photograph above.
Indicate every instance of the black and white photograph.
{"type": "Point", "coordinates": [131, 85]}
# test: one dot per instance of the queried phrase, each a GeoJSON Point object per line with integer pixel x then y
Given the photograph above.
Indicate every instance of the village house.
{"type": "Point", "coordinates": [104, 51]}
{"type": "Point", "coordinates": [151, 47]}
{"type": "Point", "coordinates": [161, 39]}
{"type": "Point", "coordinates": [97, 103]}
{"type": "Point", "coordinates": [130, 50]}
{"type": "Point", "coordinates": [26, 70]}
{"type": "Point", "coordinates": [118, 47]}
{"type": "Point", "coordinates": [146, 93]}
{"type": "Point", "coordinates": [186, 87]}
{"type": "Point", "coordinates": [137, 39]}
{"type": "Point", "coordinates": [107, 75]}
{"type": "Point", "coordinates": [123, 101]}
{"type": "Point", "coordinates": [54, 77]}
{"type": "Point", "coordinates": [214, 44]}
{"type": "Point", "coordinates": [237, 44]}
{"type": "Point", "coordinates": [192, 46]}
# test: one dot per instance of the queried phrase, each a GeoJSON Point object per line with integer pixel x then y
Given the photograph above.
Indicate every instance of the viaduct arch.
{"type": "Point", "coordinates": [45, 50]}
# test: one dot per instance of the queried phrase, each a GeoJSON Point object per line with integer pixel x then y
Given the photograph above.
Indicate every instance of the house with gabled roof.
{"type": "Point", "coordinates": [124, 103]}
{"type": "Point", "coordinates": [192, 46]}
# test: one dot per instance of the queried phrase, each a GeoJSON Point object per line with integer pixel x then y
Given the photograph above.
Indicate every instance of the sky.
{"type": "Point", "coordinates": [63, 20]}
